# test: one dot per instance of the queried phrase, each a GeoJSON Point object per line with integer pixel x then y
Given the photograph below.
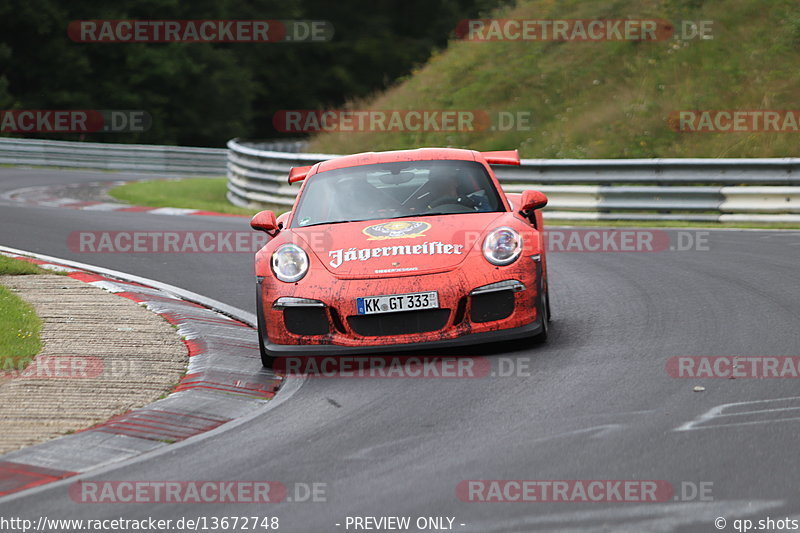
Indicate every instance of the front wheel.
{"type": "Point", "coordinates": [267, 359]}
{"type": "Point", "coordinates": [543, 312]}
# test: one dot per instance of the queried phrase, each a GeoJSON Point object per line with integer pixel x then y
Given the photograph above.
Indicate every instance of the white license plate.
{"type": "Point", "coordinates": [393, 303]}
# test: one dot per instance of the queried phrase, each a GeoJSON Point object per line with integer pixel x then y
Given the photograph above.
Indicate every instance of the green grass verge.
{"type": "Point", "coordinates": [19, 335]}
{"type": "Point", "coordinates": [605, 99]}
{"type": "Point", "coordinates": [15, 267]}
{"type": "Point", "coordinates": [207, 194]}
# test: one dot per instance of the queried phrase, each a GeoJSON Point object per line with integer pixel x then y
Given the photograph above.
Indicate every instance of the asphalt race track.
{"type": "Point", "coordinates": [594, 403]}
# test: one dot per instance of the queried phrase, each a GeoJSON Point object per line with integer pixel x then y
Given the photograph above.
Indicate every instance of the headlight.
{"type": "Point", "coordinates": [289, 263]}
{"type": "Point", "coordinates": [502, 246]}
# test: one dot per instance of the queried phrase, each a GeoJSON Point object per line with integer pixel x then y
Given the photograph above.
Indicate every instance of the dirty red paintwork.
{"type": "Point", "coordinates": [453, 275]}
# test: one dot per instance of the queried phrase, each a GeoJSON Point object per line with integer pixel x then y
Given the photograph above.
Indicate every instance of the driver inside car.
{"type": "Point", "coordinates": [445, 186]}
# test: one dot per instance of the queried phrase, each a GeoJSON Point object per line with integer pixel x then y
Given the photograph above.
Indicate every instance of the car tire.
{"type": "Point", "coordinates": [543, 311]}
{"type": "Point", "coordinates": [267, 359]}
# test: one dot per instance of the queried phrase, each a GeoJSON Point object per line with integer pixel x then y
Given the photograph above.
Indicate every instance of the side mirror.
{"type": "Point", "coordinates": [265, 221]}
{"type": "Point", "coordinates": [532, 200]}
{"type": "Point", "coordinates": [282, 219]}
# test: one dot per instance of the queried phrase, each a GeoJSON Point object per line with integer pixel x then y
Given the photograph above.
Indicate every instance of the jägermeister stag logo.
{"type": "Point", "coordinates": [398, 229]}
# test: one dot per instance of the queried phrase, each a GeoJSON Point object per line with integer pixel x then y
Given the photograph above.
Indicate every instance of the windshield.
{"type": "Point", "coordinates": [396, 190]}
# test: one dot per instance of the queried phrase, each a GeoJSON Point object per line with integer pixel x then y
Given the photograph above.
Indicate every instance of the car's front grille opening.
{"type": "Point", "coordinates": [337, 321]}
{"type": "Point", "coordinates": [461, 310]}
{"type": "Point", "coordinates": [491, 306]}
{"type": "Point", "coordinates": [306, 320]}
{"type": "Point", "coordinates": [403, 323]}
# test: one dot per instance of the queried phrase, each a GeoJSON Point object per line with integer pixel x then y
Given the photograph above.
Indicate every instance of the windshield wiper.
{"type": "Point", "coordinates": [332, 222]}
{"type": "Point", "coordinates": [428, 215]}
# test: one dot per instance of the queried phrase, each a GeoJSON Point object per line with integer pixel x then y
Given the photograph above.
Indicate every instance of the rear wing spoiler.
{"type": "Point", "coordinates": [299, 173]}
{"type": "Point", "coordinates": [502, 157]}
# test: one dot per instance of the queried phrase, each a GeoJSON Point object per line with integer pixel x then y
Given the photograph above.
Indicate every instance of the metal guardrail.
{"type": "Point", "coordinates": [258, 177]}
{"type": "Point", "coordinates": [710, 190]}
{"type": "Point", "coordinates": [726, 190]}
{"type": "Point", "coordinates": [108, 156]}
{"type": "Point", "coordinates": [143, 158]}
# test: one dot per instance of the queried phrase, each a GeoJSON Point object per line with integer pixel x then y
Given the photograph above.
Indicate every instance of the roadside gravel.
{"type": "Point", "coordinates": [102, 356]}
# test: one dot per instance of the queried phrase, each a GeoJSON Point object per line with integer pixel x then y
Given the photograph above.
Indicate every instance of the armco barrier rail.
{"type": "Point", "coordinates": [146, 158]}
{"type": "Point", "coordinates": [109, 156]}
{"type": "Point", "coordinates": [723, 190]}
{"type": "Point", "coordinates": [726, 190]}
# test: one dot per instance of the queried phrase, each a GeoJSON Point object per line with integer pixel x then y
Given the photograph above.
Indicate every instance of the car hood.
{"type": "Point", "coordinates": [399, 247]}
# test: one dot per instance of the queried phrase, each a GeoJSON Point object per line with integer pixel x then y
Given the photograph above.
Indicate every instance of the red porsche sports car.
{"type": "Point", "coordinates": [401, 250]}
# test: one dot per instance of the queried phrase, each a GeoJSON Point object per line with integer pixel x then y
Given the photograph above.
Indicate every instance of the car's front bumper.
{"type": "Point", "coordinates": [466, 315]}
{"type": "Point", "coordinates": [500, 335]}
